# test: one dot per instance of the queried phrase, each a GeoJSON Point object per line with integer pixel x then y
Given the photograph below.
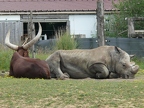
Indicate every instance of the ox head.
{"type": "Point", "coordinates": [22, 50]}
{"type": "Point", "coordinates": [124, 67]}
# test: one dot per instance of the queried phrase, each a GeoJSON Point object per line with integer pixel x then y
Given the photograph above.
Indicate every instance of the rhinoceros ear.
{"type": "Point", "coordinates": [117, 50]}
{"type": "Point", "coordinates": [131, 56]}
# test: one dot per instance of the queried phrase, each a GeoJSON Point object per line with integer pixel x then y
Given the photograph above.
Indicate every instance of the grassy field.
{"type": "Point", "coordinates": [70, 93]}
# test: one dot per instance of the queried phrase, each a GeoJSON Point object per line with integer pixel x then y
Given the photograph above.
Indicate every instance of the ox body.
{"type": "Point", "coordinates": [101, 62]}
{"type": "Point", "coordinates": [23, 66]}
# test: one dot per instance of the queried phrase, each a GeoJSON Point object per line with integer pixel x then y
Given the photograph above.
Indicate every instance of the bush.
{"type": "Point", "coordinates": [65, 42]}
{"type": "Point", "coordinates": [5, 57]}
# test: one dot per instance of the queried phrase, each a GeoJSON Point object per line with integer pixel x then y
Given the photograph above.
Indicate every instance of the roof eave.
{"type": "Point", "coordinates": [52, 12]}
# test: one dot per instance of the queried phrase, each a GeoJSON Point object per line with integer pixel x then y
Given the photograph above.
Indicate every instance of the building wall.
{"type": "Point", "coordinates": [83, 25]}
{"type": "Point", "coordinates": [9, 17]}
{"type": "Point", "coordinates": [12, 23]}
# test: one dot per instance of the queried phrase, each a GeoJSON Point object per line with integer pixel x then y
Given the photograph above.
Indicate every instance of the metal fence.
{"type": "Point", "coordinates": [130, 45]}
{"type": "Point", "coordinates": [134, 46]}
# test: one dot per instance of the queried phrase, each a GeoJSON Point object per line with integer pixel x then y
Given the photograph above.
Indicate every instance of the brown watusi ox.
{"type": "Point", "coordinates": [23, 66]}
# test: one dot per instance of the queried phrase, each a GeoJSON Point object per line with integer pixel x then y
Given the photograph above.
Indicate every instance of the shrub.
{"type": "Point", "coordinates": [5, 57]}
{"type": "Point", "coordinates": [64, 41]}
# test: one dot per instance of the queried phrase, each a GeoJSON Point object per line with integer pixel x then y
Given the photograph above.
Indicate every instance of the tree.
{"type": "Point", "coordinates": [125, 9]}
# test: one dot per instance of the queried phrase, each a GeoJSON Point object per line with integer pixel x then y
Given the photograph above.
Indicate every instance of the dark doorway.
{"type": "Point", "coordinates": [48, 28]}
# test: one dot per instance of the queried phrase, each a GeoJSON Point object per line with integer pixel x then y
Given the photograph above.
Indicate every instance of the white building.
{"type": "Point", "coordinates": [76, 16]}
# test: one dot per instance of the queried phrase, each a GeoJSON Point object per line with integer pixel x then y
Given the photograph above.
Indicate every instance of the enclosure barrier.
{"type": "Point", "coordinates": [133, 46]}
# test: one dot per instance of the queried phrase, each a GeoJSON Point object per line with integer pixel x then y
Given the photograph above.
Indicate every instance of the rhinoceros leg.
{"type": "Point", "coordinates": [59, 74]}
{"type": "Point", "coordinates": [54, 64]}
{"type": "Point", "coordinates": [100, 70]}
{"type": "Point", "coordinates": [113, 75]}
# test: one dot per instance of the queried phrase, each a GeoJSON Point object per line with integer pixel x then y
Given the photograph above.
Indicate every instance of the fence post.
{"type": "Point", "coordinates": [130, 27]}
{"type": "Point", "coordinates": [100, 23]}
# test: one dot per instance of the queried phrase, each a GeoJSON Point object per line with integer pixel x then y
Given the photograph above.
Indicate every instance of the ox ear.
{"type": "Point", "coordinates": [117, 50]}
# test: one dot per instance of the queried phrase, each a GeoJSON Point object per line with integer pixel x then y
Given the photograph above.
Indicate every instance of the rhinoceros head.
{"type": "Point", "coordinates": [123, 66]}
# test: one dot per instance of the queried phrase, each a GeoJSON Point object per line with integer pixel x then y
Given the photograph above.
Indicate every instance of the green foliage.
{"type": "Point", "coordinates": [117, 24]}
{"type": "Point", "coordinates": [65, 41]}
{"type": "Point", "coordinates": [5, 57]}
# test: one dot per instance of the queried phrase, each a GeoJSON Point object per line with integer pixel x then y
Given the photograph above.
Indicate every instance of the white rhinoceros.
{"type": "Point", "coordinates": [102, 62]}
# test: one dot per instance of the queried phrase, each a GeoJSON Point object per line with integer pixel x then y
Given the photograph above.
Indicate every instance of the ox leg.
{"type": "Point", "coordinates": [100, 70]}
{"type": "Point", "coordinates": [11, 73]}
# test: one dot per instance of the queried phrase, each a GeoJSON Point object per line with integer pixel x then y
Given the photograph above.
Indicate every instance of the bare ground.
{"type": "Point", "coordinates": [137, 77]}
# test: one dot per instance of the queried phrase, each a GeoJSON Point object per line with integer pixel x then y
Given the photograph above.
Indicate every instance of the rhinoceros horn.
{"type": "Point", "coordinates": [132, 63]}
{"type": "Point", "coordinates": [135, 68]}
{"type": "Point", "coordinates": [26, 46]}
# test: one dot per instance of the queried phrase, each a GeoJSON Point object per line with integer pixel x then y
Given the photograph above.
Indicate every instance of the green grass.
{"type": "Point", "coordinates": [87, 93]}
{"type": "Point", "coordinates": [42, 56]}
{"type": "Point", "coordinates": [139, 61]}
{"type": "Point", "coordinates": [5, 57]}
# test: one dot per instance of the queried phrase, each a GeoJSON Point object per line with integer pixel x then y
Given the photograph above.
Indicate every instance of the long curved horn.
{"type": "Point", "coordinates": [8, 44]}
{"type": "Point", "coordinates": [34, 40]}
{"type": "Point", "coordinates": [25, 41]}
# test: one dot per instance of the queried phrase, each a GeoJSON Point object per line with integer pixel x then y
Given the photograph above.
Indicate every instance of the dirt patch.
{"type": "Point", "coordinates": [4, 73]}
{"type": "Point", "coordinates": [138, 77]}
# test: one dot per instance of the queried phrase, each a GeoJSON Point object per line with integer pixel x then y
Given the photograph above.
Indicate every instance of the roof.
{"type": "Point", "coordinates": [52, 5]}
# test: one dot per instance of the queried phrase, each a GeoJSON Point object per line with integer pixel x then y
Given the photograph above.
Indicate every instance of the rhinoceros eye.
{"type": "Point", "coordinates": [124, 65]}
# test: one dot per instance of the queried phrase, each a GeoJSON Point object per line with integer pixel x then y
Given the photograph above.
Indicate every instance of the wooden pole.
{"type": "Point", "coordinates": [130, 27]}
{"type": "Point", "coordinates": [31, 33]}
{"type": "Point", "coordinates": [100, 23]}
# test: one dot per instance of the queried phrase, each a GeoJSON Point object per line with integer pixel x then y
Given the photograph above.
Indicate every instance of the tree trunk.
{"type": "Point", "coordinates": [100, 23]}
{"type": "Point", "coordinates": [31, 33]}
